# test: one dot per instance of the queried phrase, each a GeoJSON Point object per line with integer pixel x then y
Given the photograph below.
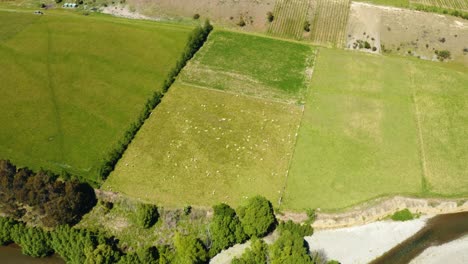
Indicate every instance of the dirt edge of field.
{"type": "Point", "coordinates": [379, 209]}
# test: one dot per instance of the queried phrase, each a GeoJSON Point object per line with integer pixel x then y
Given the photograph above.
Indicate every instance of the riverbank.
{"type": "Point", "coordinates": [380, 209]}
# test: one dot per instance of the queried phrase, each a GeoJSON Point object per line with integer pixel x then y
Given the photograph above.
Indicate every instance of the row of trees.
{"type": "Point", "coordinates": [195, 42]}
{"type": "Point", "coordinates": [42, 196]}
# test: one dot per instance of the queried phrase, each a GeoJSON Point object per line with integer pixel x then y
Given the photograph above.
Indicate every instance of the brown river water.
{"type": "Point", "coordinates": [12, 255]}
{"type": "Point", "coordinates": [439, 230]}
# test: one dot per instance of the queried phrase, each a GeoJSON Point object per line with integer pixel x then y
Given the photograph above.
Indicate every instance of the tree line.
{"type": "Point", "coordinates": [196, 40]}
{"type": "Point", "coordinates": [42, 197]}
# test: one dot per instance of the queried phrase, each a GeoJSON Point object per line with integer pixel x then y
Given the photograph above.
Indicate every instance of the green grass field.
{"type": "Point", "coordinates": [403, 131]}
{"type": "Point", "coordinates": [397, 3]}
{"type": "Point", "coordinates": [201, 147]}
{"type": "Point", "coordinates": [72, 84]}
{"type": "Point", "coordinates": [251, 65]}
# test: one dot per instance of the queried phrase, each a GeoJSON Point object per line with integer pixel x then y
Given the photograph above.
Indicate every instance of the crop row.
{"type": "Point", "coordinates": [290, 16]}
{"type": "Point", "coordinates": [330, 22]}
{"type": "Point", "coordinates": [452, 4]}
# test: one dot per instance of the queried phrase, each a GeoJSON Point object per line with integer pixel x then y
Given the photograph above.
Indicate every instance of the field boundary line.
{"type": "Point", "coordinates": [422, 151]}
{"type": "Point", "coordinates": [314, 57]}
{"type": "Point", "coordinates": [233, 93]}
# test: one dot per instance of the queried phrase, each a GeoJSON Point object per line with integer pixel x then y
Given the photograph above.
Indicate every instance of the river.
{"type": "Point", "coordinates": [439, 230]}
{"type": "Point", "coordinates": [12, 255]}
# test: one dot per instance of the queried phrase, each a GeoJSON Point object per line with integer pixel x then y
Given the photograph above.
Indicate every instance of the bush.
{"type": "Point", "coordinates": [257, 217]}
{"type": "Point", "coordinates": [58, 1]}
{"type": "Point", "coordinates": [443, 54]}
{"type": "Point", "coordinates": [367, 45]}
{"type": "Point", "coordinates": [241, 22]}
{"type": "Point", "coordinates": [147, 215]}
{"type": "Point", "coordinates": [374, 48]}
{"type": "Point", "coordinates": [187, 210]}
{"type": "Point", "coordinates": [298, 229]}
{"type": "Point", "coordinates": [403, 215]}
{"type": "Point", "coordinates": [307, 26]}
{"type": "Point", "coordinates": [196, 16]}
{"type": "Point", "coordinates": [270, 17]}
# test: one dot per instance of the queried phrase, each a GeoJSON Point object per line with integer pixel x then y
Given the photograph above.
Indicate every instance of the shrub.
{"type": "Point", "coordinates": [374, 48]}
{"type": "Point", "coordinates": [270, 17]}
{"type": "Point", "coordinates": [367, 45]}
{"type": "Point", "coordinates": [307, 26]}
{"type": "Point", "coordinates": [187, 210]}
{"type": "Point", "coordinates": [403, 215]}
{"type": "Point", "coordinates": [298, 229]}
{"type": "Point", "coordinates": [147, 215]}
{"type": "Point", "coordinates": [241, 22]}
{"type": "Point", "coordinates": [257, 217]}
{"type": "Point", "coordinates": [58, 1]}
{"type": "Point", "coordinates": [196, 16]}
{"type": "Point", "coordinates": [443, 54]}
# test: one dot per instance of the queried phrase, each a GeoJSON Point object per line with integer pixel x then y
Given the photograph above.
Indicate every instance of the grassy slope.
{"type": "Point", "coordinates": [359, 136]}
{"type": "Point", "coordinates": [251, 65]}
{"type": "Point", "coordinates": [69, 98]}
{"type": "Point", "coordinates": [202, 147]}
{"type": "Point", "coordinates": [397, 3]}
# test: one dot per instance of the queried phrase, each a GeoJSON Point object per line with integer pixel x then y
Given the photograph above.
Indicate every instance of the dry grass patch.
{"type": "Point", "coordinates": [202, 147]}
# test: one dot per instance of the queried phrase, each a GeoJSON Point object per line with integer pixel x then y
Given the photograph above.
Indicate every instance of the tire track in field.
{"type": "Point", "coordinates": [53, 99]}
{"type": "Point", "coordinates": [422, 151]}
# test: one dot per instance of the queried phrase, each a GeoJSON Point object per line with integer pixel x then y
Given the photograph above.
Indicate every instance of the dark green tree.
{"type": "Point", "coordinates": [257, 217]}
{"type": "Point", "coordinates": [290, 248]}
{"type": "Point", "coordinates": [34, 241]}
{"type": "Point", "coordinates": [102, 254]}
{"type": "Point", "coordinates": [225, 228]}
{"type": "Point", "coordinates": [147, 215]}
{"type": "Point", "coordinates": [189, 249]}
{"type": "Point", "coordinates": [256, 254]}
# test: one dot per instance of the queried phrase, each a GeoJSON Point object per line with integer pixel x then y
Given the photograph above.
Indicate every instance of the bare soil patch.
{"type": "Point", "coordinates": [407, 32]}
{"type": "Point", "coordinates": [226, 12]}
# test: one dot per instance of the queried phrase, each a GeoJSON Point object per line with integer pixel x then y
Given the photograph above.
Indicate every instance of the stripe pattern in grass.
{"type": "Point", "coordinates": [451, 4]}
{"type": "Point", "coordinates": [290, 16]}
{"type": "Point", "coordinates": [329, 26]}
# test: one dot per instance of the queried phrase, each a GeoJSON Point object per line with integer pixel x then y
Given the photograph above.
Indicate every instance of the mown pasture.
{"type": "Point", "coordinates": [73, 84]}
{"type": "Point", "coordinates": [205, 146]}
{"type": "Point", "coordinates": [403, 131]}
{"type": "Point", "coordinates": [251, 65]}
